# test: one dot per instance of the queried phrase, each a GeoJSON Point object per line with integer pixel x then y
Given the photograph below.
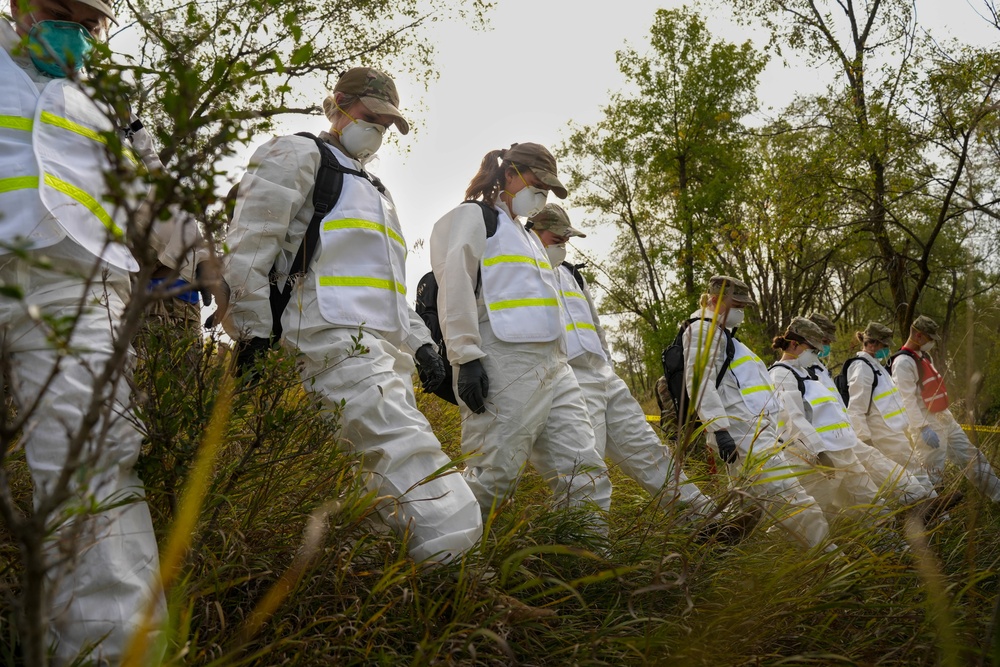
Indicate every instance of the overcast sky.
{"type": "Point", "coordinates": [545, 63]}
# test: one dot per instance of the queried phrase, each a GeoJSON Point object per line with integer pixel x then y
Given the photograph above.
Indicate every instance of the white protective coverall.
{"type": "Point", "coordinates": [535, 411]}
{"type": "Point", "coordinates": [356, 283]}
{"type": "Point", "coordinates": [621, 431]}
{"type": "Point", "coordinates": [879, 417]}
{"type": "Point", "coordinates": [745, 405]}
{"type": "Point", "coordinates": [103, 564]}
{"type": "Point", "coordinates": [885, 473]}
{"type": "Point", "coordinates": [823, 433]}
{"type": "Point", "coordinates": [955, 445]}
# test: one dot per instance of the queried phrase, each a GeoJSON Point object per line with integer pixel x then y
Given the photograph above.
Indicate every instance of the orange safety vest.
{"type": "Point", "coordinates": [932, 388]}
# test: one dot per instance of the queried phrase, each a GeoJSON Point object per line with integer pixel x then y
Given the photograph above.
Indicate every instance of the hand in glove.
{"type": "Point", "coordinates": [248, 352]}
{"type": "Point", "coordinates": [430, 366]}
{"type": "Point", "coordinates": [726, 445]}
{"type": "Point", "coordinates": [930, 437]}
{"type": "Point", "coordinates": [473, 385]}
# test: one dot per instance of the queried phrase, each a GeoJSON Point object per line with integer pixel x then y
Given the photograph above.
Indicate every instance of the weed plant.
{"type": "Point", "coordinates": [288, 564]}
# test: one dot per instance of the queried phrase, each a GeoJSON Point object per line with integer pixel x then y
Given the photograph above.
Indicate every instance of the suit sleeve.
{"type": "Point", "coordinates": [458, 243]}
{"type": "Point", "coordinates": [907, 378]}
{"type": "Point", "coordinates": [797, 423]}
{"type": "Point", "coordinates": [278, 183]}
{"type": "Point", "coordinates": [859, 382]}
{"type": "Point", "coordinates": [704, 353]}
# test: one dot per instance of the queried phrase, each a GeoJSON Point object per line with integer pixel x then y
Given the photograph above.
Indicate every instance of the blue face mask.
{"type": "Point", "coordinates": [59, 47]}
{"type": "Point", "coordinates": [882, 354]}
{"type": "Point", "coordinates": [825, 352]}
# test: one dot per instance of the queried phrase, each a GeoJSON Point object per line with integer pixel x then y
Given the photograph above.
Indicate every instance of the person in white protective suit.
{"type": "Point", "coordinates": [875, 407]}
{"type": "Point", "coordinates": [817, 423]}
{"type": "Point", "coordinates": [498, 303]}
{"type": "Point", "coordinates": [355, 286]}
{"type": "Point", "coordinates": [931, 425]}
{"type": "Point", "coordinates": [55, 206]}
{"type": "Point", "coordinates": [622, 433]}
{"type": "Point", "coordinates": [741, 414]}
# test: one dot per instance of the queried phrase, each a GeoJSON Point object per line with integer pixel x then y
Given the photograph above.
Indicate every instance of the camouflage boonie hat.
{"type": "Point", "coordinates": [377, 93]}
{"type": "Point", "coordinates": [539, 160]}
{"type": "Point", "coordinates": [879, 333]}
{"type": "Point", "coordinates": [737, 289]}
{"type": "Point", "coordinates": [101, 6]}
{"type": "Point", "coordinates": [807, 330]}
{"type": "Point", "coordinates": [825, 324]}
{"type": "Point", "coordinates": [554, 219]}
{"type": "Point", "coordinates": [927, 326]}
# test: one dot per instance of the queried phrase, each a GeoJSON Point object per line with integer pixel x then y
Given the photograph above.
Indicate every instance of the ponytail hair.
{"type": "Point", "coordinates": [861, 337]}
{"type": "Point", "coordinates": [780, 343]}
{"type": "Point", "coordinates": [489, 180]}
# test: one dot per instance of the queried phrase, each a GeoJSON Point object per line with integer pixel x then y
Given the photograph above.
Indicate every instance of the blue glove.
{"type": "Point", "coordinates": [930, 437]}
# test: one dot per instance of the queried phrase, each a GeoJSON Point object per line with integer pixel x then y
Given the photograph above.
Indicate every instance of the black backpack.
{"type": "Point", "coordinates": [801, 381]}
{"type": "Point", "coordinates": [673, 369]}
{"type": "Point", "coordinates": [326, 193]}
{"type": "Point", "coordinates": [844, 388]}
{"type": "Point", "coordinates": [426, 305]}
{"type": "Point", "coordinates": [575, 270]}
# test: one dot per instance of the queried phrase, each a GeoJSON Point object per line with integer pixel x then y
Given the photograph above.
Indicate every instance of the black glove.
{"type": "Point", "coordinates": [726, 445]}
{"type": "Point", "coordinates": [473, 385]}
{"type": "Point", "coordinates": [248, 352]}
{"type": "Point", "coordinates": [430, 366]}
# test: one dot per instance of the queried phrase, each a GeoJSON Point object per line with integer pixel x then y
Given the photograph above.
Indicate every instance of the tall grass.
{"type": "Point", "coordinates": [288, 565]}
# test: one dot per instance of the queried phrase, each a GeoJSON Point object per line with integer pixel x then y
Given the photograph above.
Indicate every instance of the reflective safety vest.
{"type": "Point", "coordinates": [754, 382]}
{"type": "Point", "coordinates": [581, 329]}
{"type": "Point", "coordinates": [360, 272]}
{"type": "Point", "coordinates": [54, 158]}
{"type": "Point", "coordinates": [886, 400]}
{"type": "Point", "coordinates": [932, 388]}
{"type": "Point", "coordinates": [520, 289]}
{"type": "Point", "coordinates": [829, 414]}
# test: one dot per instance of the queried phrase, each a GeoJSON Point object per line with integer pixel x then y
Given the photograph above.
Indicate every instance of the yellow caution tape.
{"type": "Point", "coordinates": [966, 427]}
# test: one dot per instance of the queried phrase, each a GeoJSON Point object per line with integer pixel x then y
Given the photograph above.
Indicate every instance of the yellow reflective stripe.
{"type": "Point", "coordinates": [67, 124]}
{"type": "Point", "coordinates": [89, 202]}
{"type": "Point", "coordinates": [520, 303]}
{"type": "Point", "coordinates": [16, 123]}
{"type": "Point", "coordinates": [743, 360]}
{"type": "Point", "coordinates": [895, 413]}
{"type": "Point", "coordinates": [361, 281]}
{"type": "Point", "coordinates": [18, 183]}
{"type": "Point", "coordinates": [760, 387]}
{"type": "Point", "coordinates": [573, 295]}
{"type": "Point", "coordinates": [514, 259]}
{"type": "Point", "coordinates": [581, 325]}
{"type": "Point", "coordinates": [833, 427]}
{"type": "Point", "coordinates": [886, 393]}
{"type": "Point", "coordinates": [781, 424]}
{"type": "Point", "coordinates": [822, 399]}
{"type": "Point", "coordinates": [357, 223]}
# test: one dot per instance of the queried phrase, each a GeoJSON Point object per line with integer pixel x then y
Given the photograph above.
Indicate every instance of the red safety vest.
{"type": "Point", "coordinates": [932, 389]}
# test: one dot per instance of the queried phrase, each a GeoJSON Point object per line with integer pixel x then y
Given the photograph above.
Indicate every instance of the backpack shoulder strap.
{"type": "Point", "coordinates": [491, 220]}
{"type": "Point", "coordinates": [909, 353]}
{"type": "Point", "coordinates": [575, 270]}
{"type": "Point", "coordinates": [730, 345]}
{"type": "Point", "coordinates": [799, 380]}
{"type": "Point", "coordinates": [326, 192]}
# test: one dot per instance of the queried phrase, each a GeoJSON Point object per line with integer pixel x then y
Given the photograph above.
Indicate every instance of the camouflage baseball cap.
{"type": "Point", "coordinates": [539, 160]}
{"type": "Point", "coordinates": [825, 324]}
{"type": "Point", "coordinates": [737, 289]}
{"type": "Point", "coordinates": [806, 330]}
{"type": "Point", "coordinates": [376, 90]}
{"type": "Point", "coordinates": [878, 333]}
{"type": "Point", "coordinates": [927, 326]}
{"type": "Point", "coordinates": [554, 219]}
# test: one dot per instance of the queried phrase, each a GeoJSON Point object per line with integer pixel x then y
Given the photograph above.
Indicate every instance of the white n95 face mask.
{"type": "Point", "coordinates": [809, 358]}
{"type": "Point", "coordinates": [528, 201]}
{"type": "Point", "coordinates": [556, 253]}
{"type": "Point", "coordinates": [928, 346]}
{"type": "Point", "coordinates": [362, 139]}
{"type": "Point", "coordinates": [734, 318]}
